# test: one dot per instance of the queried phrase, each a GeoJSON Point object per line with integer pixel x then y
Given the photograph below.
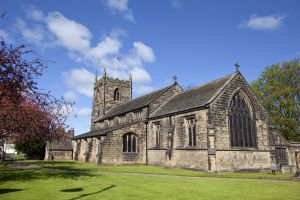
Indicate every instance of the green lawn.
{"type": "Point", "coordinates": [81, 181]}
{"type": "Point", "coordinates": [73, 165]}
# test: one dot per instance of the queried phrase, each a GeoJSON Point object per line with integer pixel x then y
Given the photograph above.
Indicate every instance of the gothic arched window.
{"type": "Point", "coordinates": [129, 143]}
{"type": "Point", "coordinates": [191, 131]}
{"type": "Point", "coordinates": [241, 123]}
{"type": "Point", "coordinates": [117, 95]}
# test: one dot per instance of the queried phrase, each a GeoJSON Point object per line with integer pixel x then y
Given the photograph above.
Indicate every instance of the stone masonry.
{"type": "Point", "coordinates": [175, 128]}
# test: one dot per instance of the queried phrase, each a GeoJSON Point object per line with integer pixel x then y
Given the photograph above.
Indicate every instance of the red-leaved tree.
{"type": "Point", "coordinates": [25, 111]}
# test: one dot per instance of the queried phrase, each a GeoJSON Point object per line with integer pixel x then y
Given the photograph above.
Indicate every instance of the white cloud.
{"type": "Point", "coordinates": [34, 13]}
{"type": "Point", "coordinates": [81, 112]}
{"type": "Point", "coordinates": [55, 29]}
{"type": "Point", "coordinates": [107, 46]}
{"type": "Point", "coordinates": [139, 75]}
{"type": "Point", "coordinates": [175, 4]}
{"type": "Point", "coordinates": [142, 89]}
{"type": "Point", "coordinates": [35, 34]}
{"type": "Point", "coordinates": [121, 6]}
{"type": "Point", "coordinates": [70, 96]}
{"type": "Point", "coordinates": [268, 23]}
{"type": "Point", "coordinates": [80, 80]}
{"type": "Point", "coordinates": [144, 52]}
{"type": "Point", "coordinates": [70, 34]}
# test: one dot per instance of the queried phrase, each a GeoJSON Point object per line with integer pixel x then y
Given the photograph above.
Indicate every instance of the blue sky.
{"type": "Point", "coordinates": [153, 40]}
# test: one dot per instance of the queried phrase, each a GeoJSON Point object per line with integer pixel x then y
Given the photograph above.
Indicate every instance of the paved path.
{"type": "Point", "coordinates": [201, 177]}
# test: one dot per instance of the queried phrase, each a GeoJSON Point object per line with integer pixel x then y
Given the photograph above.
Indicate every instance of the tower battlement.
{"type": "Point", "coordinates": [109, 92]}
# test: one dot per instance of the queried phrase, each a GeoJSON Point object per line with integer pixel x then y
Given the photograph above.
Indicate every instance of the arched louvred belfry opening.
{"type": "Point", "coordinates": [129, 143]}
{"type": "Point", "coordinates": [241, 123]}
{"type": "Point", "coordinates": [117, 95]}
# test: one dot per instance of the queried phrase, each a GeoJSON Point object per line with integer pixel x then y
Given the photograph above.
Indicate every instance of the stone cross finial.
{"type": "Point", "coordinates": [175, 78]}
{"type": "Point", "coordinates": [237, 65]}
{"type": "Point", "coordinates": [104, 72]}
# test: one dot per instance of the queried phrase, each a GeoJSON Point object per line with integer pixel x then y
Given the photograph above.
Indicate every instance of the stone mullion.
{"type": "Point", "coordinates": [194, 135]}
{"type": "Point", "coordinates": [242, 130]}
{"type": "Point", "coordinates": [232, 138]}
{"type": "Point", "coordinates": [253, 131]}
{"type": "Point", "coordinates": [237, 130]}
{"type": "Point", "coordinates": [190, 134]}
{"type": "Point", "coordinates": [248, 133]}
{"type": "Point", "coordinates": [159, 135]}
{"type": "Point", "coordinates": [245, 130]}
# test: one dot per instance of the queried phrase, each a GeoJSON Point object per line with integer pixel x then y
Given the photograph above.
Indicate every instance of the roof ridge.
{"type": "Point", "coordinates": [226, 78]}
{"type": "Point", "coordinates": [147, 102]}
{"type": "Point", "coordinates": [163, 90]}
{"type": "Point", "coordinates": [206, 83]}
{"type": "Point", "coordinates": [225, 84]}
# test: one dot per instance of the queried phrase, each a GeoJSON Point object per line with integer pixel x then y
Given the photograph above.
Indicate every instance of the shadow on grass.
{"type": "Point", "coordinates": [4, 191]}
{"type": "Point", "coordinates": [103, 190]}
{"type": "Point", "coordinates": [72, 190]}
{"type": "Point", "coordinates": [16, 174]}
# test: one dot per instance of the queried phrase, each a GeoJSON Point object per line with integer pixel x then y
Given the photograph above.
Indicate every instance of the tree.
{"type": "Point", "coordinates": [27, 113]}
{"type": "Point", "coordinates": [278, 88]}
{"type": "Point", "coordinates": [33, 148]}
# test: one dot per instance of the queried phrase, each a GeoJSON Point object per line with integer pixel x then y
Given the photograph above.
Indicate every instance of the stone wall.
{"type": "Point", "coordinates": [228, 158]}
{"type": "Point", "coordinates": [82, 150]}
{"type": "Point", "coordinates": [129, 118]}
{"type": "Point", "coordinates": [218, 115]}
{"type": "Point", "coordinates": [124, 88]}
{"type": "Point", "coordinates": [113, 146]}
{"type": "Point", "coordinates": [103, 100]}
{"type": "Point", "coordinates": [182, 155]}
{"type": "Point", "coordinates": [192, 159]}
{"type": "Point", "coordinates": [157, 157]}
{"type": "Point", "coordinates": [239, 160]}
{"type": "Point", "coordinates": [59, 154]}
{"type": "Point", "coordinates": [212, 152]}
{"type": "Point", "coordinates": [60, 149]}
{"type": "Point", "coordinates": [92, 151]}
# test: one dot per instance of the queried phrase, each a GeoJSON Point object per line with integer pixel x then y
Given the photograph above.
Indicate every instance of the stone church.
{"type": "Point", "coordinates": [218, 126]}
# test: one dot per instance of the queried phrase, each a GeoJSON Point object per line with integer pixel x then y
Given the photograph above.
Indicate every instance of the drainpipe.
{"type": "Point", "coordinates": [146, 122]}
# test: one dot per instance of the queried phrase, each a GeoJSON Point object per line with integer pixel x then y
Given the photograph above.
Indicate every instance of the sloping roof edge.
{"type": "Point", "coordinates": [100, 132]}
{"type": "Point", "coordinates": [222, 88]}
{"type": "Point", "coordinates": [232, 76]}
{"type": "Point", "coordinates": [139, 107]}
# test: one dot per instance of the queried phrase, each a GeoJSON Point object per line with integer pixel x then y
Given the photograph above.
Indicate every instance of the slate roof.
{"type": "Point", "coordinates": [99, 132]}
{"type": "Point", "coordinates": [134, 104]}
{"type": "Point", "coordinates": [193, 98]}
{"type": "Point", "coordinates": [60, 145]}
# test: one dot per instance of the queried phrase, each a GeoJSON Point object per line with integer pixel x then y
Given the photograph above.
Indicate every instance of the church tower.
{"type": "Point", "coordinates": [108, 93]}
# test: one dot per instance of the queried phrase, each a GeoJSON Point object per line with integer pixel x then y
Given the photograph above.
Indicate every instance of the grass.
{"type": "Point", "coordinates": [78, 181]}
{"type": "Point", "coordinates": [73, 165]}
{"type": "Point", "coordinates": [15, 157]}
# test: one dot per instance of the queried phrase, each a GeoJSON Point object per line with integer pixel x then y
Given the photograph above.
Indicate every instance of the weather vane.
{"type": "Point", "coordinates": [237, 66]}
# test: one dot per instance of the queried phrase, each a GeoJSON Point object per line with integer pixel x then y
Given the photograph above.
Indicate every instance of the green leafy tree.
{"type": "Point", "coordinates": [33, 148]}
{"type": "Point", "coordinates": [278, 88]}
